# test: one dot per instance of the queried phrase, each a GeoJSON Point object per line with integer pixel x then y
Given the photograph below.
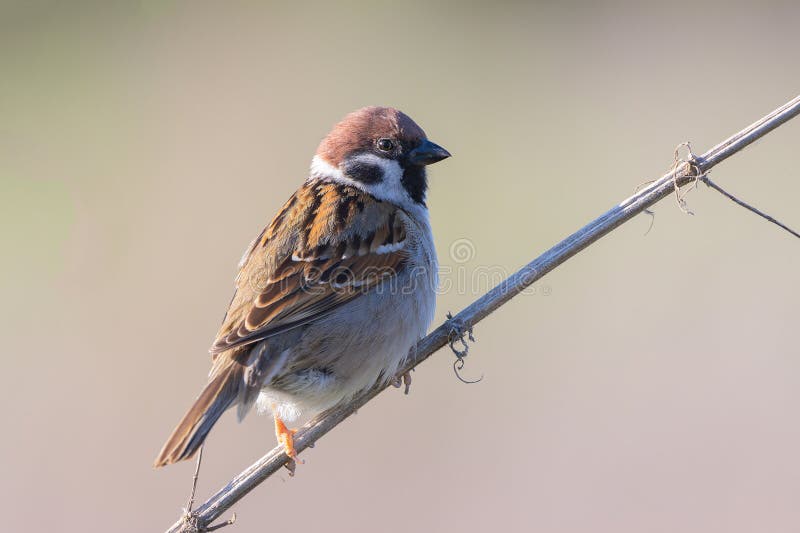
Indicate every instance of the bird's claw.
{"type": "Point", "coordinates": [402, 379]}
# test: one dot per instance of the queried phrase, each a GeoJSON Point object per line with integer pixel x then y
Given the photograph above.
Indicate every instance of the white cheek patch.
{"type": "Point", "coordinates": [389, 188]}
{"type": "Point", "coordinates": [392, 172]}
{"type": "Point", "coordinates": [324, 170]}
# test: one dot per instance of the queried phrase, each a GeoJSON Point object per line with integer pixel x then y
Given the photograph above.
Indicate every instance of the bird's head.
{"type": "Point", "coordinates": [381, 151]}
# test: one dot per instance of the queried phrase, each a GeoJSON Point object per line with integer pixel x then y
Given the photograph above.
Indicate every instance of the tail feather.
{"type": "Point", "coordinates": [218, 396]}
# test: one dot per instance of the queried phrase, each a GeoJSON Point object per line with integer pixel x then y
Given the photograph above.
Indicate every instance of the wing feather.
{"type": "Point", "coordinates": [328, 245]}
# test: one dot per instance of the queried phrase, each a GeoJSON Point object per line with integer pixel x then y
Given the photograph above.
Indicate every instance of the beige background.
{"type": "Point", "coordinates": [651, 384]}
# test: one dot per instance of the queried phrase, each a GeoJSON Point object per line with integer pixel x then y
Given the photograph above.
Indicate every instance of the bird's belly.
{"type": "Point", "coordinates": [361, 343]}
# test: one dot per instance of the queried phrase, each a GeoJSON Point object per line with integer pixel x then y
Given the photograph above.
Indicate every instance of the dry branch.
{"type": "Point", "coordinates": [681, 174]}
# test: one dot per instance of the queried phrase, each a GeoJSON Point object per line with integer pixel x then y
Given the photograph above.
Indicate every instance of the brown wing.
{"type": "Point", "coordinates": [329, 244]}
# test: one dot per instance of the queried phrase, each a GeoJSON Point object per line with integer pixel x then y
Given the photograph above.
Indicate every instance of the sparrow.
{"type": "Point", "coordinates": [334, 292]}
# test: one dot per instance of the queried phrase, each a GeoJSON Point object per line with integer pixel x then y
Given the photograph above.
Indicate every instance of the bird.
{"type": "Point", "coordinates": [331, 295]}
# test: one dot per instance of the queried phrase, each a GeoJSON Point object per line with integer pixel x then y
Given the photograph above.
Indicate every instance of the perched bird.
{"type": "Point", "coordinates": [332, 295]}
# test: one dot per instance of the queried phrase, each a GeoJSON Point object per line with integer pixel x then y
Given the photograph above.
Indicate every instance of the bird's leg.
{"type": "Point", "coordinates": [402, 379]}
{"type": "Point", "coordinates": [285, 435]}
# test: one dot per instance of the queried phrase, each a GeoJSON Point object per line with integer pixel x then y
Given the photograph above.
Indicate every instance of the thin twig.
{"type": "Point", "coordinates": [190, 503]}
{"type": "Point", "coordinates": [456, 334]}
{"type": "Point", "coordinates": [492, 300]}
{"type": "Point", "coordinates": [228, 522]}
{"type": "Point", "coordinates": [707, 181]}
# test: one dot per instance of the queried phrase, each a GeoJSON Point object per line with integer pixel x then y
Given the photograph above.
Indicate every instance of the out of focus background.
{"type": "Point", "coordinates": [652, 383]}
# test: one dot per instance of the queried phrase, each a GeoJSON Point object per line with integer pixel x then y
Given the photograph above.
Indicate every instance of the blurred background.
{"type": "Point", "coordinates": [652, 383]}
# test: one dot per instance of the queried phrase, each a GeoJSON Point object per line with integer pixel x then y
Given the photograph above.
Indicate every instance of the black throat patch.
{"type": "Point", "coordinates": [415, 181]}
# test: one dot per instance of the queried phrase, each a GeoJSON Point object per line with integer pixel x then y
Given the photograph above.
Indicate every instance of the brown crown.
{"type": "Point", "coordinates": [359, 130]}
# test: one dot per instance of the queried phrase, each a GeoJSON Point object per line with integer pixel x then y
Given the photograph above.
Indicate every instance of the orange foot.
{"type": "Point", "coordinates": [285, 437]}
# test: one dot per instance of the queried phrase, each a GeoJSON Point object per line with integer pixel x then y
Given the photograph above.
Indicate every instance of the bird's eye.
{"type": "Point", "coordinates": [385, 145]}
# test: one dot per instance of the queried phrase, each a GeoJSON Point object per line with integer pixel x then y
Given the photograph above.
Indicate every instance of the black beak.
{"type": "Point", "coordinates": [427, 153]}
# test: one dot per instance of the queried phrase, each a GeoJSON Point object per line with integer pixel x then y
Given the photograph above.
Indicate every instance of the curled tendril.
{"type": "Point", "coordinates": [456, 334]}
{"type": "Point", "coordinates": [458, 364]}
